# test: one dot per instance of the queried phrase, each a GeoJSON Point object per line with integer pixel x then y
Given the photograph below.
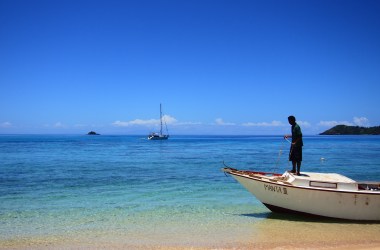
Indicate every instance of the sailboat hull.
{"type": "Point", "coordinates": [158, 137]}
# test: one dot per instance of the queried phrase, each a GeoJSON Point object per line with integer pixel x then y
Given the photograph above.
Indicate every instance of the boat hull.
{"type": "Point", "coordinates": [157, 138]}
{"type": "Point", "coordinates": [281, 197]}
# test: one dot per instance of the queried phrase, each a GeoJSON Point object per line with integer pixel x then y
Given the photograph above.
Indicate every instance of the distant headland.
{"type": "Point", "coordinates": [92, 133]}
{"type": "Point", "coordinates": [352, 130]}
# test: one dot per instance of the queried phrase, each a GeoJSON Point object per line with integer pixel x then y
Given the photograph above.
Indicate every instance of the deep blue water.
{"type": "Point", "coordinates": [64, 184]}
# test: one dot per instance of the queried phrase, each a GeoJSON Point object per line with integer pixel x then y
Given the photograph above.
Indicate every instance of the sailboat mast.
{"type": "Point", "coordinates": [160, 120]}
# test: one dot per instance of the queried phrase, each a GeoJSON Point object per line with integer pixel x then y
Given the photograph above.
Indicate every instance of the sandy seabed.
{"type": "Point", "coordinates": [263, 234]}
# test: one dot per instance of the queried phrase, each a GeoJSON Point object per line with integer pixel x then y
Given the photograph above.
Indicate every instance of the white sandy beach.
{"type": "Point", "coordinates": [265, 234]}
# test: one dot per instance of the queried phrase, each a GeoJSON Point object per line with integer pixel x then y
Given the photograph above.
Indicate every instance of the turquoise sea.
{"type": "Point", "coordinates": [60, 189]}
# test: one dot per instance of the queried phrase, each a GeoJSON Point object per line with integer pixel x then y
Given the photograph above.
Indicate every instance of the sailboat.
{"type": "Point", "coordinates": [159, 136]}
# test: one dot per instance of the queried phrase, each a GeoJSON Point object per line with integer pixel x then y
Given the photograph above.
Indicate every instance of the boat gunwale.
{"type": "Point", "coordinates": [280, 183]}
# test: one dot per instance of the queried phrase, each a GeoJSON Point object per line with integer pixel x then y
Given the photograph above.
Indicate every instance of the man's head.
{"type": "Point", "coordinates": [292, 120]}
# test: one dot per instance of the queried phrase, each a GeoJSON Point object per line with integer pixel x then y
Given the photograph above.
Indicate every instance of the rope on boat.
{"type": "Point", "coordinates": [288, 140]}
{"type": "Point", "coordinates": [279, 154]}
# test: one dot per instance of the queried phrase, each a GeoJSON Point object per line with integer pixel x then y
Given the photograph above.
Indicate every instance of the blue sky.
{"type": "Point", "coordinates": [217, 67]}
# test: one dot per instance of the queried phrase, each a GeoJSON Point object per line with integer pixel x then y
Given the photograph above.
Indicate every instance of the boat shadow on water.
{"type": "Point", "coordinates": [304, 218]}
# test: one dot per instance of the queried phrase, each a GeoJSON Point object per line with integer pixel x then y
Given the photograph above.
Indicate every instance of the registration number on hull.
{"type": "Point", "coordinates": [276, 189]}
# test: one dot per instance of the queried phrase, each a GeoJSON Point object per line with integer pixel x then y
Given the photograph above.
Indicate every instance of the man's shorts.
{"type": "Point", "coordinates": [295, 154]}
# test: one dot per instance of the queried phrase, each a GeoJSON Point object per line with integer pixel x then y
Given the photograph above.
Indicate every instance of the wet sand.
{"type": "Point", "coordinates": [273, 232]}
{"type": "Point", "coordinates": [111, 244]}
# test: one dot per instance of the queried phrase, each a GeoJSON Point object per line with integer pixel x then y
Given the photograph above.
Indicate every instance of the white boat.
{"type": "Point", "coordinates": [319, 194]}
{"type": "Point", "coordinates": [160, 135]}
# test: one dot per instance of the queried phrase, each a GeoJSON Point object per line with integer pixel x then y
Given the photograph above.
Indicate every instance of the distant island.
{"type": "Point", "coordinates": [352, 130]}
{"type": "Point", "coordinates": [92, 133]}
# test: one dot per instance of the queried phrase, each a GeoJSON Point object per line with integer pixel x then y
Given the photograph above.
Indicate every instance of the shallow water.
{"type": "Point", "coordinates": [58, 188]}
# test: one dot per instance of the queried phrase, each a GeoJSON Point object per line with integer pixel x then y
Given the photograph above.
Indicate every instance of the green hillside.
{"type": "Point", "coordinates": [352, 130]}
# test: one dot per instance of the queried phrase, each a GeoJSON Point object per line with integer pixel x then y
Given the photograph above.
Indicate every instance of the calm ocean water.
{"type": "Point", "coordinates": [69, 185]}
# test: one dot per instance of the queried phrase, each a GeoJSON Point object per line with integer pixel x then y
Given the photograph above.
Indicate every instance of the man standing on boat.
{"type": "Point", "coordinates": [295, 155]}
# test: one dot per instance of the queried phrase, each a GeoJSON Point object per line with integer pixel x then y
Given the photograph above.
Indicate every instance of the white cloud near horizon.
{"type": "Point", "coordinates": [59, 125]}
{"type": "Point", "coordinates": [304, 124]}
{"type": "Point", "coordinates": [264, 124]}
{"type": "Point", "coordinates": [55, 125]}
{"type": "Point", "coordinates": [150, 122]}
{"type": "Point", "coordinates": [5, 125]}
{"type": "Point", "coordinates": [361, 121]}
{"type": "Point", "coordinates": [219, 121]}
{"type": "Point", "coordinates": [358, 121]}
